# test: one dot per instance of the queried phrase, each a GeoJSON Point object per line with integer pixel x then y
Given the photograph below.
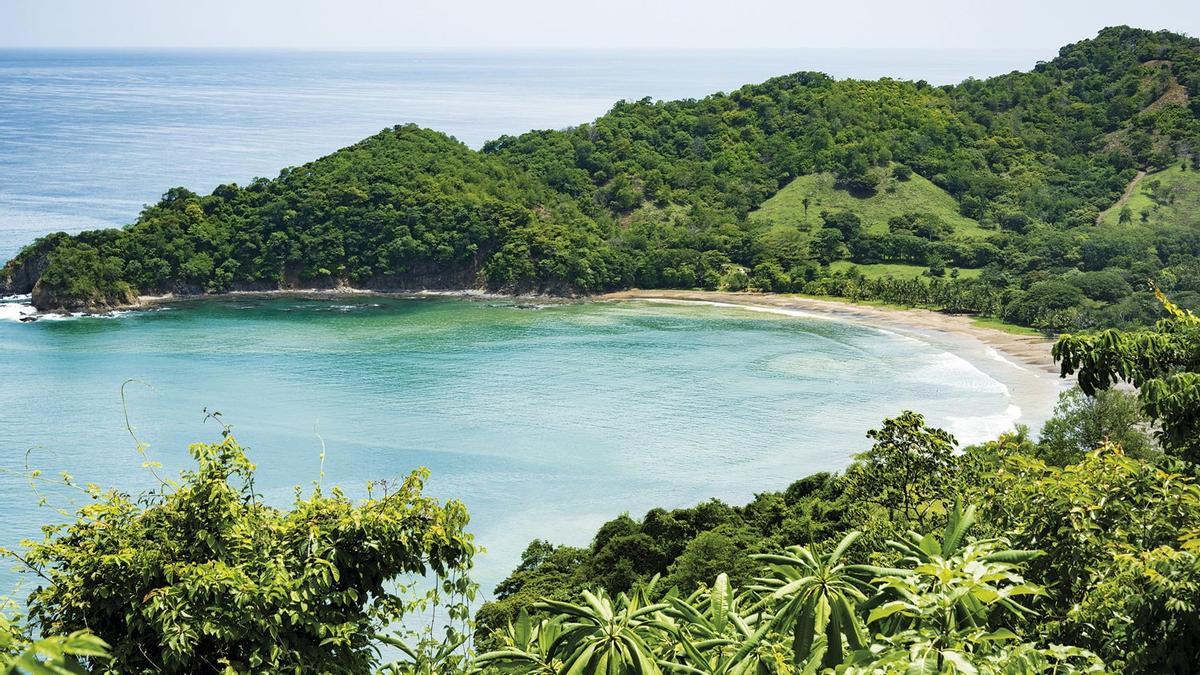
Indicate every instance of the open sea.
{"type": "Point", "coordinates": [545, 421]}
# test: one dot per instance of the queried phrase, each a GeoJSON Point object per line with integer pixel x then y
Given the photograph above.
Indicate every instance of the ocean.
{"type": "Point", "coordinates": [545, 421]}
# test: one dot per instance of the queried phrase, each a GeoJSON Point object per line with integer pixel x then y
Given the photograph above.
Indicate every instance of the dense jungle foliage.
{"type": "Point", "coordinates": [1015, 175]}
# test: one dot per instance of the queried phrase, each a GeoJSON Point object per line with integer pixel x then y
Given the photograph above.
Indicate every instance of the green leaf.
{"type": "Point", "coordinates": [960, 662]}
{"type": "Point", "coordinates": [888, 609]}
{"type": "Point", "coordinates": [719, 602]}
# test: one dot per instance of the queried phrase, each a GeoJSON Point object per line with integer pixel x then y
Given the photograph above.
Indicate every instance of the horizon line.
{"type": "Point", "coordinates": [499, 48]}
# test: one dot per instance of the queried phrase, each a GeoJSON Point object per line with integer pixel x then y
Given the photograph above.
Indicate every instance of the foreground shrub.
{"type": "Point", "coordinates": [201, 576]}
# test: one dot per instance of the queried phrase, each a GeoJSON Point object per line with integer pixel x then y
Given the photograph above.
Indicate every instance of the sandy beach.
{"type": "Point", "coordinates": [1022, 363]}
{"type": "Point", "coordinates": [1032, 350]}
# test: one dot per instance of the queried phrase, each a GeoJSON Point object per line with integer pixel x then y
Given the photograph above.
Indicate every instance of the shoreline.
{"type": "Point", "coordinates": [1030, 350]}
{"type": "Point", "coordinates": [146, 301]}
{"type": "Point", "coordinates": [1021, 363]}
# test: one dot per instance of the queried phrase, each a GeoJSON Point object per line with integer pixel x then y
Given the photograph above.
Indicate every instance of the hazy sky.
{"type": "Point", "coordinates": [433, 24]}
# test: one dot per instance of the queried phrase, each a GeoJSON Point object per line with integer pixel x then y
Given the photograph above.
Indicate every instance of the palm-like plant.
{"type": "Point", "coordinates": [427, 656]}
{"type": "Point", "coordinates": [528, 647]}
{"type": "Point", "coordinates": [713, 636]}
{"type": "Point", "coordinates": [606, 637]}
{"type": "Point", "coordinates": [989, 558]}
{"type": "Point", "coordinates": [933, 616]}
{"type": "Point", "coordinates": [810, 595]}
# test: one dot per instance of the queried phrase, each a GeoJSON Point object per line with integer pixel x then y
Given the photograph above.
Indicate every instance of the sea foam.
{"type": "Point", "coordinates": [14, 307]}
{"type": "Point", "coordinates": [18, 307]}
{"type": "Point", "coordinates": [982, 428]}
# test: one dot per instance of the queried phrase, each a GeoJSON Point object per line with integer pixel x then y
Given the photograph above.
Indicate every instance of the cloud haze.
{"type": "Point", "coordinates": [455, 24]}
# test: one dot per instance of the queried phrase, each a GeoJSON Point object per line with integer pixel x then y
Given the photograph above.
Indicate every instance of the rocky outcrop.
{"type": "Point", "coordinates": [46, 299]}
{"type": "Point", "coordinates": [21, 274]}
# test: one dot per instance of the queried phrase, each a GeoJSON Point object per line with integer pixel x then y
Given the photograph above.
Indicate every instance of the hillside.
{"type": "Point", "coordinates": [1167, 197]}
{"type": "Point", "coordinates": [407, 208]}
{"type": "Point", "coordinates": [1009, 175]}
{"type": "Point", "coordinates": [892, 198]}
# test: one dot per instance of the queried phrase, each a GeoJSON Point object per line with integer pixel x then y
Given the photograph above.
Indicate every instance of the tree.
{"type": "Point", "coordinates": [937, 266]}
{"type": "Point", "coordinates": [816, 595]}
{"type": "Point", "coordinates": [1106, 285]}
{"type": "Point", "coordinates": [545, 571]}
{"type": "Point", "coordinates": [724, 549]}
{"type": "Point", "coordinates": [1052, 304]}
{"type": "Point", "coordinates": [769, 276]}
{"type": "Point", "coordinates": [1110, 528]}
{"type": "Point", "coordinates": [201, 576]}
{"type": "Point", "coordinates": [1017, 222]}
{"type": "Point", "coordinates": [906, 472]}
{"type": "Point", "coordinates": [828, 245]}
{"type": "Point", "coordinates": [735, 279]}
{"type": "Point", "coordinates": [1164, 365]}
{"type": "Point", "coordinates": [846, 222]}
{"type": "Point", "coordinates": [1083, 423]}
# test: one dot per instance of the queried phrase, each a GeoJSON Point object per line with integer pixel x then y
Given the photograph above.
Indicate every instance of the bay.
{"type": "Point", "coordinates": [545, 421]}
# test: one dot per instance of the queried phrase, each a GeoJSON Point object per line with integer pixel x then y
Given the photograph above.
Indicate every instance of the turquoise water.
{"type": "Point", "coordinates": [546, 422]}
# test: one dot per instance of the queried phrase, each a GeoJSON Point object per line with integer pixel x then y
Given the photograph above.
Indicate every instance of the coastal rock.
{"type": "Point", "coordinates": [21, 274]}
{"type": "Point", "coordinates": [46, 299]}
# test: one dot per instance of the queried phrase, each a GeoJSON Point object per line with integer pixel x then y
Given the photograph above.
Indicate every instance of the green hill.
{"type": "Point", "coordinates": [891, 199]}
{"type": "Point", "coordinates": [700, 192]}
{"type": "Point", "coordinates": [1167, 197]}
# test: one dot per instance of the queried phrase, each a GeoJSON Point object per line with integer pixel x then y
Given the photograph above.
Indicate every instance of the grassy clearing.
{"type": "Point", "coordinates": [896, 270]}
{"type": "Point", "coordinates": [893, 198]}
{"type": "Point", "coordinates": [1167, 197]}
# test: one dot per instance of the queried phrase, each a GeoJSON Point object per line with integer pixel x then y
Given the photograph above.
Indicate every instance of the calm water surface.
{"type": "Point", "coordinates": [545, 422]}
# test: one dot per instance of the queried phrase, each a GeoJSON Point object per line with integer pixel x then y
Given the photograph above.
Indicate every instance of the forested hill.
{"type": "Point", "coordinates": [1013, 175]}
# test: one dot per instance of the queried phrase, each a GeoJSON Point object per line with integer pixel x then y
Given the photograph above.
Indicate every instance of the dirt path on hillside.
{"type": "Point", "coordinates": [1125, 197]}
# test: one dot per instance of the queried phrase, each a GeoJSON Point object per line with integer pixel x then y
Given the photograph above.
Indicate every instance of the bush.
{"type": "Point", "coordinates": [735, 279]}
{"type": "Point", "coordinates": [1082, 423]}
{"type": "Point", "coordinates": [201, 576]}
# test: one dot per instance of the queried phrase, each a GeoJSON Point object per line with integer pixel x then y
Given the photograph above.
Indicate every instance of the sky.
{"type": "Point", "coordinates": [548, 24]}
